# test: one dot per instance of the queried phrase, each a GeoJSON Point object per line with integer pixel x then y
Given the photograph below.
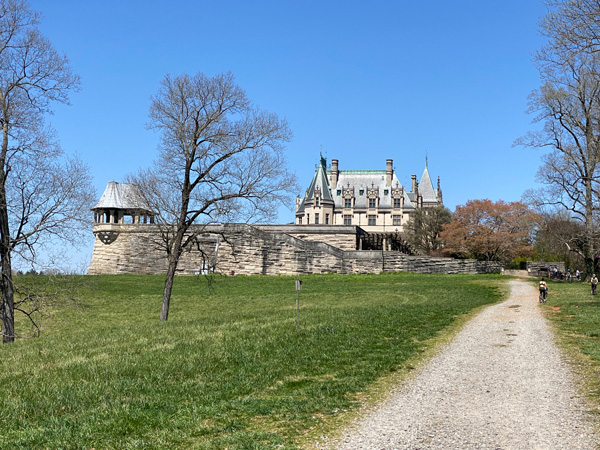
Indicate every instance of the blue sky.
{"type": "Point", "coordinates": [365, 81]}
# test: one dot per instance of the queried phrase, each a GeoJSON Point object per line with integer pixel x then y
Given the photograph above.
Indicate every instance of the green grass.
{"type": "Point", "coordinates": [230, 369]}
{"type": "Point", "coordinates": [575, 315]}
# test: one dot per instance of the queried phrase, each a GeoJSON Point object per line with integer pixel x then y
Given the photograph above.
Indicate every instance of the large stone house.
{"type": "Point", "coordinates": [371, 199]}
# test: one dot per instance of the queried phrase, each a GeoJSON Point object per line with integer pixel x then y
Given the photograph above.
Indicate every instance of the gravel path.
{"type": "Point", "coordinates": [501, 384]}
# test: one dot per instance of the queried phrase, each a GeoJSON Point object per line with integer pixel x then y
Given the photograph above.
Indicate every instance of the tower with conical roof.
{"type": "Point", "coordinates": [317, 206]}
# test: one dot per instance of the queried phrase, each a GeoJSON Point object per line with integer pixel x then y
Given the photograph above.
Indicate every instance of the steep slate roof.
{"type": "Point", "coordinates": [363, 179]}
{"type": "Point", "coordinates": [120, 196]}
{"type": "Point", "coordinates": [426, 188]}
{"type": "Point", "coordinates": [319, 181]}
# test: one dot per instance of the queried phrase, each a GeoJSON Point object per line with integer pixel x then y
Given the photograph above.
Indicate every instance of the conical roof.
{"type": "Point", "coordinates": [320, 182]}
{"type": "Point", "coordinates": [120, 196]}
{"type": "Point", "coordinates": [426, 187]}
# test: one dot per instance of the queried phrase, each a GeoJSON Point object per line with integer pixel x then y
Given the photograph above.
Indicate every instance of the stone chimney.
{"type": "Point", "coordinates": [334, 173]}
{"type": "Point", "coordinates": [389, 172]}
{"type": "Point", "coordinates": [415, 185]}
{"type": "Point", "coordinates": [298, 201]}
{"type": "Point", "coordinates": [439, 192]}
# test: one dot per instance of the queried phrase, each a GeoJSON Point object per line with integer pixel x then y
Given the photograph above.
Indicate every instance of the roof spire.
{"type": "Point", "coordinates": [323, 160]}
{"type": "Point", "coordinates": [426, 160]}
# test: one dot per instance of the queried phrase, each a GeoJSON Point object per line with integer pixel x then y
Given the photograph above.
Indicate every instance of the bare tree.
{"type": "Point", "coordinates": [43, 194]}
{"type": "Point", "coordinates": [424, 227]}
{"type": "Point", "coordinates": [221, 159]}
{"type": "Point", "coordinates": [568, 105]}
{"type": "Point", "coordinates": [556, 237]}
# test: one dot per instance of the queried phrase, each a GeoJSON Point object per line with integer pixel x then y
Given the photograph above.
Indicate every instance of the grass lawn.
{"type": "Point", "coordinates": [575, 314]}
{"type": "Point", "coordinates": [230, 369]}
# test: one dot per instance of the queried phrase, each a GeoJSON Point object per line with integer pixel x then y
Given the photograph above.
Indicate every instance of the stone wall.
{"type": "Point", "coordinates": [244, 249]}
{"type": "Point", "coordinates": [540, 268]}
{"type": "Point", "coordinates": [343, 237]}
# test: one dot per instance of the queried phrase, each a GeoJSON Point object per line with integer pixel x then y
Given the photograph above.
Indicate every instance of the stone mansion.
{"type": "Point", "coordinates": [374, 200]}
{"type": "Point", "coordinates": [127, 233]}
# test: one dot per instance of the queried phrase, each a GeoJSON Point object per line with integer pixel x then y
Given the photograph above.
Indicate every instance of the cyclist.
{"type": "Point", "coordinates": [543, 291]}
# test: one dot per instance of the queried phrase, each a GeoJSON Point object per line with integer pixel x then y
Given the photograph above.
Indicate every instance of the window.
{"type": "Point", "coordinates": [317, 201]}
{"type": "Point", "coordinates": [361, 192]}
{"type": "Point", "coordinates": [326, 219]}
{"type": "Point", "coordinates": [386, 191]}
{"type": "Point", "coordinates": [348, 203]}
{"type": "Point", "coordinates": [372, 220]}
{"type": "Point", "coordinates": [397, 203]}
{"type": "Point", "coordinates": [316, 218]}
{"type": "Point", "coordinates": [339, 192]}
{"type": "Point", "coordinates": [348, 220]}
{"type": "Point", "coordinates": [372, 202]}
{"type": "Point", "coordinates": [299, 220]}
{"type": "Point", "coordinates": [397, 220]}
{"type": "Point", "coordinates": [307, 219]}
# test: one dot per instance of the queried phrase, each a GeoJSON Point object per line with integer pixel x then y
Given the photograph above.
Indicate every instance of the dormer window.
{"type": "Point", "coordinates": [373, 195]}
{"type": "Point", "coordinates": [361, 192]}
{"type": "Point", "coordinates": [348, 196]}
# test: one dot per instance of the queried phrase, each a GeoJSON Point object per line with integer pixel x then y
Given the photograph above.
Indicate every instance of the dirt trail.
{"type": "Point", "coordinates": [501, 384]}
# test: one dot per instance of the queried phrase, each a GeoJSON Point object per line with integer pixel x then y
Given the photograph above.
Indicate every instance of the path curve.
{"type": "Point", "coordinates": [501, 384]}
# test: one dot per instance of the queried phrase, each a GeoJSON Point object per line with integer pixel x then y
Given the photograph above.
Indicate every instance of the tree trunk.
{"type": "Point", "coordinates": [8, 307]}
{"type": "Point", "coordinates": [174, 256]}
{"type": "Point", "coordinates": [164, 312]}
{"type": "Point", "coordinates": [6, 284]}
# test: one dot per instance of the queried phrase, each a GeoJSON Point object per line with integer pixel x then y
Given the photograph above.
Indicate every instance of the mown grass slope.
{"type": "Point", "coordinates": [230, 369]}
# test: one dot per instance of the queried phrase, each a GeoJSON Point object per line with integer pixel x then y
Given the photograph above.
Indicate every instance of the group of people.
{"type": "Point", "coordinates": [555, 274]}
{"type": "Point", "coordinates": [543, 286]}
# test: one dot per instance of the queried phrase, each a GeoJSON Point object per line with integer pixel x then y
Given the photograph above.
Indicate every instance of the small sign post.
{"type": "Point", "coordinates": [298, 289]}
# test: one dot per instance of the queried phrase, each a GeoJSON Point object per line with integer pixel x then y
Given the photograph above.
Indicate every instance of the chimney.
{"type": "Point", "coordinates": [439, 192]}
{"type": "Point", "coordinates": [389, 172]}
{"type": "Point", "coordinates": [334, 173]}
{"type": "Point", "coordinates": [414, 183]}
{"type": "Point", "coordinates": [298, 201]}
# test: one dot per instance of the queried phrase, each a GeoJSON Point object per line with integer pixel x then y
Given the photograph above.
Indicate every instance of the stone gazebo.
{"type": "Point", "coordinates": [120, 204]}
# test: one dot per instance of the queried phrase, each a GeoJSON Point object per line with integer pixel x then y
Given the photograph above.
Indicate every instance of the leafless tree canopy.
{"type": "Point", "coordinates": [44, 195]}
{"type": "Point", "coordinates": [221, 159]}
{"type": "Point", "coordinates": [572, 27]}
{"type": "Point", "coordinates": [424, 227]}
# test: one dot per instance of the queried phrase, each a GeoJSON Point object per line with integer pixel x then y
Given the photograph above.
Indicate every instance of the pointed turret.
{"type": "Point", "coordinates": [318, 202]}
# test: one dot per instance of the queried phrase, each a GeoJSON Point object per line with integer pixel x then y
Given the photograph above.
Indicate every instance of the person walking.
{"type": "Point", "coordinates": [543, 291]}
{"type": "Point", "coordinates": [594, 282]}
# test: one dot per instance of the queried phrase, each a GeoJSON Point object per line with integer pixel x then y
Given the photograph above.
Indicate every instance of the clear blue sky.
{"type": "Point", "coordinates": [366, 81]}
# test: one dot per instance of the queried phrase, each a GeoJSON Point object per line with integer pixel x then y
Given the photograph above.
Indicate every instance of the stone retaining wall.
{"type": "Point", "coordinates": [244, 249]}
